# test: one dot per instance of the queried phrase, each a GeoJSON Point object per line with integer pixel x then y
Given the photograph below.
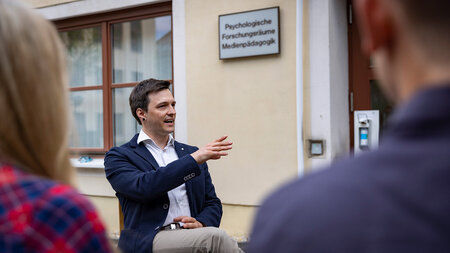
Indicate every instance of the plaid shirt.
{"type": "Point", "coordinates": [39, 215]}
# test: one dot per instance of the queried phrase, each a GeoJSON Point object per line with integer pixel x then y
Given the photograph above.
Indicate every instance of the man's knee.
{"type": "Point", "coordinates": [221, 241]}
{"type": "Point", "coordinates": [215, 232]}
{"type": "Point", "coordinates": [211, 238]}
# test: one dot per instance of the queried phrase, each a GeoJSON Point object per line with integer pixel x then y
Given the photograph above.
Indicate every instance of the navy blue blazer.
{"type": "Point", "coordinates": [394, 199]}
{"type": "Point", "coordinates": [141, 187]}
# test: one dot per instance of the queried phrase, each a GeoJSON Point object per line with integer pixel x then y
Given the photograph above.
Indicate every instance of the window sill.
{"type": "Point", "coordinates": [96, 163]}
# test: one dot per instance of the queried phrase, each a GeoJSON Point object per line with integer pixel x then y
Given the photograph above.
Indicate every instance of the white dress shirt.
{"type": "Point", "coordinates": [179, 203]}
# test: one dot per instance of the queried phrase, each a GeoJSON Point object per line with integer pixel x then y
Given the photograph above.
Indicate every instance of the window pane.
{"type": "Point", "coordinates": [87, 109]}
{"type": "Point", "coordinates": [84, 48]}
{"type": "Point", "coordinates": [142, 49]}
{"type": "Point", "coordinates": [125, 126]}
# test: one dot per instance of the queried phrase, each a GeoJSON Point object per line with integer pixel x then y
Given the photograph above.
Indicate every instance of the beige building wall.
{"type": "Point", "coordinates": [46, 3]}
{"type": "Point", "coordinates": [252, 100]}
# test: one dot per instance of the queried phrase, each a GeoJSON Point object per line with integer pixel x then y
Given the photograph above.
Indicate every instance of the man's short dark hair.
{"type": "Point", "coordinates": [429, 22]}
{"type": "Point", "coordinates": [139, 94]}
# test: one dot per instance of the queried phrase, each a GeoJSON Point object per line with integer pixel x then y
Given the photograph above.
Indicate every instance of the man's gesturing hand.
{"type": "Point", "coordinates": [214, 150]}
{"type": "Point", "coordinates": [189, 222]}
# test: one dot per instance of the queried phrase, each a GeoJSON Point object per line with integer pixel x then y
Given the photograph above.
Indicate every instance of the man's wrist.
{"type": "Point", "coordinates": [197, 157]}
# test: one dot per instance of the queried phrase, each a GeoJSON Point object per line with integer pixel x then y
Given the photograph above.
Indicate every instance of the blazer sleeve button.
{"type": "Point", "coordinates": [165, 206]}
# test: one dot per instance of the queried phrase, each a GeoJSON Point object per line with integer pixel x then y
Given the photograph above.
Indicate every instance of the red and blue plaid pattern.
{"type": "Point", "coordinates": [39, 215]}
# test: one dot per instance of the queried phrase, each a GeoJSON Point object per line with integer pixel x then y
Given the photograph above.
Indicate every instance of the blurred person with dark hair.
{"type": "Point", "coordinates": [164, 187]}
{"type": "Point", "coordinates": [39, 211]}
{"type": "Point", "coordinates": [396, 198]}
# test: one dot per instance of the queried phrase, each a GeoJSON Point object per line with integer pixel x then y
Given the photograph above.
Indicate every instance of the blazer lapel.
{"type": "Point", "coordinates": [143, 152]}
{"type": "Point", "coordinates": [181, 151]}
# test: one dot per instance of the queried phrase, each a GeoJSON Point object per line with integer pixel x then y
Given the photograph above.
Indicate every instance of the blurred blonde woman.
{"type": "Point", "coordinates": [39, 212]}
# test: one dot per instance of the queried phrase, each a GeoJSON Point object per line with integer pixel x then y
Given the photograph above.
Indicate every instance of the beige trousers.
{"type": "Point", "coordinates": [198, 240]}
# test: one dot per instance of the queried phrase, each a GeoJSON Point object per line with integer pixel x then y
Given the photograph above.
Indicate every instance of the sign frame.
{"type": "Point", "coordinates": [251, 55]}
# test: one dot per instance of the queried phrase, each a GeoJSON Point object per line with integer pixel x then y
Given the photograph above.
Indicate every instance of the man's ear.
{"type": "Point", "coordinates": [375, 20]}
{"type": "Point", "coordinates": [141, 114]}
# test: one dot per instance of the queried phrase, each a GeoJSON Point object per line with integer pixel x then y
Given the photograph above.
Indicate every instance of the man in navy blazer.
{"type": "Point", "coordinates": [396, 198]}
{"type": "Point", "coordinates": [163, 186]}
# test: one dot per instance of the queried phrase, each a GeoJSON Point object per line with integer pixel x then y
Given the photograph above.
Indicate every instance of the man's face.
{"type": "Point", "coordinates": [160, 119]}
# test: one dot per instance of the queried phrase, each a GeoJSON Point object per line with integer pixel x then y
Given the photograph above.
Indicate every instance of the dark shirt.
{"type": "Point", "coordinates": [394, 199]}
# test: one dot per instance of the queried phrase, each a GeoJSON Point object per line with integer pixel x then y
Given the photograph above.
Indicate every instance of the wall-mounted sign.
{"type": "Point", "coordinates": [249, 33]}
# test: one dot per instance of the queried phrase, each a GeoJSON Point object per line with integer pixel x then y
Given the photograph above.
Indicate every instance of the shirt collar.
{"type": "Point", "coordinates": [143, 137]}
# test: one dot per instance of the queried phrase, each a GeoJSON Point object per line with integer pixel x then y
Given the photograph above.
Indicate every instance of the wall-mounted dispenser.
{"type": "Point", "coordinates": [366, 130]}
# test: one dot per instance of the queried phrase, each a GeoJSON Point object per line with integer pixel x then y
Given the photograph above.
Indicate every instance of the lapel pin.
{"type": "Point", "coordinates": [182, 148]}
